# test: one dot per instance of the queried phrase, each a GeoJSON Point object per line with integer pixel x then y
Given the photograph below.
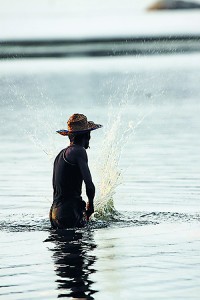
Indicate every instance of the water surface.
{"type": "Point", "coordinates": [150, 250]}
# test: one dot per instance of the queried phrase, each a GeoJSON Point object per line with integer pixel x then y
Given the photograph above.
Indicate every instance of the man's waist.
{"type": "Point", "coordinates": [67, 198]}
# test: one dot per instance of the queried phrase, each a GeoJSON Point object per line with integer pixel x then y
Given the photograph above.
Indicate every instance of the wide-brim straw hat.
{"type": "Point", "coordinates": [78, 123]}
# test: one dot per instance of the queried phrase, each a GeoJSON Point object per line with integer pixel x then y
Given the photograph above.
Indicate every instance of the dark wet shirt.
{"type": "Point", "coordinates": [67, 179]}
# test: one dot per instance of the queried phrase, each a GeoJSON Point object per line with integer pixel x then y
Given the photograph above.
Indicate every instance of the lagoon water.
{"type": "Point", "coordinates": [150, 109]}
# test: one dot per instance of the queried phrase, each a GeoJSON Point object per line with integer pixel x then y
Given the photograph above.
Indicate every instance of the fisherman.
{"type": "Point", "coordinates": [70, 170]}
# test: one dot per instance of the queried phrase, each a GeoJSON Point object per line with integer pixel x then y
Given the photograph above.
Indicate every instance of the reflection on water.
{"type": "Point", "coordinates": [73, 262]}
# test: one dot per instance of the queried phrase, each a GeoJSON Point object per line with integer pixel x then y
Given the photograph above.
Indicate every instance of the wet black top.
{"type": "Point", "coordinates": [67, 179]}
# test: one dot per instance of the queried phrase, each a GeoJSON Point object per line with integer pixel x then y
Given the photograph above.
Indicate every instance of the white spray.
{"type": "Point", "coordinates": [117, 133]}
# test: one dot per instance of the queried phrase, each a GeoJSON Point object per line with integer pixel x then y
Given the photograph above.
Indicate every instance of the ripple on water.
{"type": "Point", "coordinates": [30, 222]}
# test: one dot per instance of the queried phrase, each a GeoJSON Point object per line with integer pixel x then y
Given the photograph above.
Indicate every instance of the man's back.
{"type": "Point", "coordinates": [67, 178]}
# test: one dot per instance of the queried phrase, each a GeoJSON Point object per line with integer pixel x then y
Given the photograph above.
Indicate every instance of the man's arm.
{"type": "Point", "coordinates": [82, 162]}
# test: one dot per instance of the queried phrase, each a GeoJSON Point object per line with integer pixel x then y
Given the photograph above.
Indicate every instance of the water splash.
{"type": "Point", "coordinates": [40, 121]}
{"type": "Point", "coordinates": [108, 170]}
{"type": "Point", "coordinates": [117, 133]}
{"type": "Point", "coordinates": [36, 118]}
{"type": "Point", "coordinates": [110, 174]}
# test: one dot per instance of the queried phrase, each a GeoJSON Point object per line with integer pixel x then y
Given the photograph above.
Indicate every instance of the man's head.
{"type": "Point", "coordinates": [81, 139]}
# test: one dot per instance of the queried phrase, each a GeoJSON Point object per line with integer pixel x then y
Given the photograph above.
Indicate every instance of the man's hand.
{"type": "Point", "coordinates": [89, 210]}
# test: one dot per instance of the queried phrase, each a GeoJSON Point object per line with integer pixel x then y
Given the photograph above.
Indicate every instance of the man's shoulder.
{"type": "Point", "coordinates": [80, 155]}
{"type": "Point", "coordinates": [77, 152]}
{"type": "Point", "coordinates": [80, 151]}
{"type": "Point", "coordinates": [59, 154]}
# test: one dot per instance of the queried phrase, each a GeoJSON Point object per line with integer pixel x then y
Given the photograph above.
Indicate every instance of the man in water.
{"type": "Point", "coordinates": [70, 170]}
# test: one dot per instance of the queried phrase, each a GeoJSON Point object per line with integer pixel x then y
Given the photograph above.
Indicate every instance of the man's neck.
{"type": "Point", "coordinates": [76, 144]}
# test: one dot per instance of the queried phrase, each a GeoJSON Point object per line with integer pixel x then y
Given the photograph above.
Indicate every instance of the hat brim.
{"type": "Point", "coordinates": [91, 126]}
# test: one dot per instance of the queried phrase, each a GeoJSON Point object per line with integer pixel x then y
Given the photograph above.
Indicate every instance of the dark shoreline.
{"type": "Point", "coordinates": [50, 48]}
